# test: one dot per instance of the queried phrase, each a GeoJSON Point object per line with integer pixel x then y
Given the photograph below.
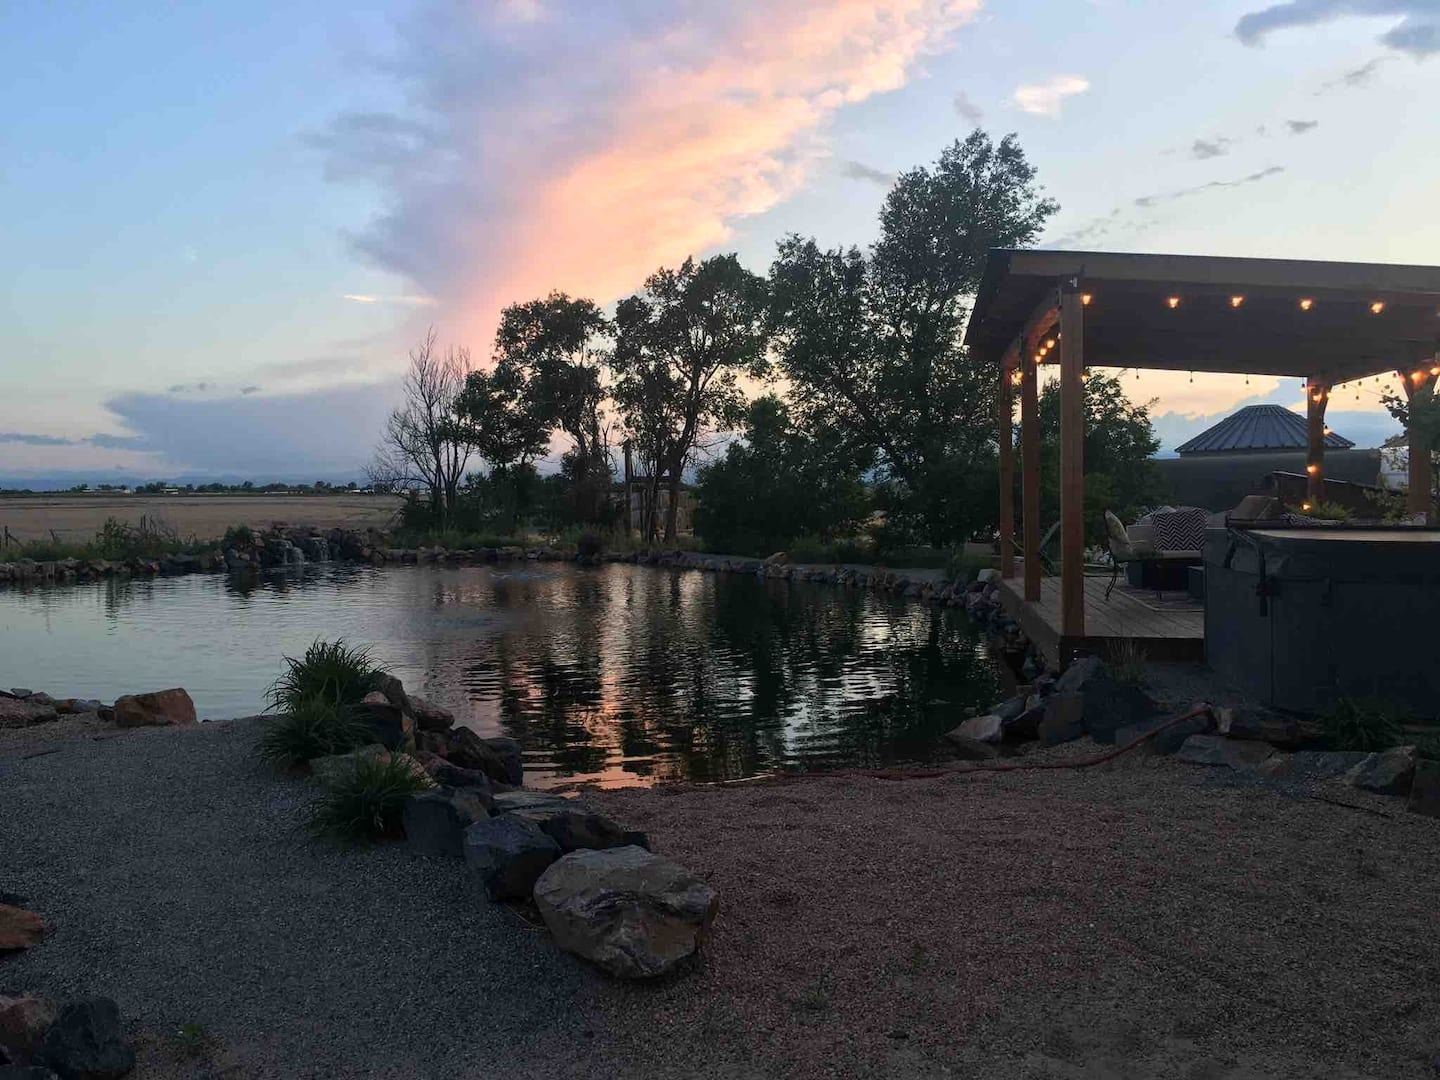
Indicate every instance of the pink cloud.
{"type": "Point", "coordinates": [582, 149]}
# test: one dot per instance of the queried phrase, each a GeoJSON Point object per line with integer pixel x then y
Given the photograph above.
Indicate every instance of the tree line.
{"type": "Point", "coordinates": [883, 408]}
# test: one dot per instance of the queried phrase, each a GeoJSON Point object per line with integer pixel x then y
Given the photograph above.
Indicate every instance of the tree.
{"type": "Point", "coordinates": [871, 342]}
{"type": "Point", "coordinates": [421, 447]}
{"type": "Point", "coordinates": [554, 343]}
{"type": "Point", "coordinates": [498, 417]}
{"type": "Point", "coordinates": [778, 484]}
{"type": "Point", "coordinates": [681, 348]}
{"type": "Point", "coordinates": [1120, 444]}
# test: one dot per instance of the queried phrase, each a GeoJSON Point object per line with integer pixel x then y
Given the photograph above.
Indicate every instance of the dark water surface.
{"type": "Point", "coordinates": [620, 674]}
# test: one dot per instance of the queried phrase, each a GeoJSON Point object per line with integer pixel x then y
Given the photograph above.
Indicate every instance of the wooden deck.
{"type": "Point", "coordinates": [1160, 632]}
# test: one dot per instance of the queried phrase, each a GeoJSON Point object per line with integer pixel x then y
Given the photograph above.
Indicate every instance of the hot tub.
{"type": "Point", "coordinates": [1301, 617]}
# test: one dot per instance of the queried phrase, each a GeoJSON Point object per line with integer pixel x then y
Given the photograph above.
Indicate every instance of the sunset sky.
{"type": "Point", "coordinates": [224, 224]}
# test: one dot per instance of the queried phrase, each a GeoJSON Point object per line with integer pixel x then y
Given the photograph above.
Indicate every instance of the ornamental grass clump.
{"type": "Point", "coordinates": [365, 802]}
{"type": "Point", "coordinates": [313, 727]}
{"type": "Point", "coordinates": [1356, 724]}
{"type": "Point", "coordinates": [329, 670]}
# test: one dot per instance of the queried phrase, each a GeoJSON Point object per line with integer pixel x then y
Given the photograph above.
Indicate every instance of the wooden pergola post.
{"type": "Point", "coordinates": [1317, 397]}
{"type": "Point", "coordinates": [1030, 466]}
{"type": "Point", "coordinates": [1417, 498]}
{"type": "Point", "coordinates": [1005, 404]}
{"type": "Point", "coordinates": [1072, 459]}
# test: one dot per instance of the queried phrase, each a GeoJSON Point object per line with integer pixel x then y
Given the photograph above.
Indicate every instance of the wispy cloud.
{"type": "Point", "coordinates": [1146, 202]}
{"type": "Point", "coordinates": [967, 109]}
{"type": "Point", "coordinates": [858, 170]}
{"type": "Point", "coordinates": [582, 153]}
{"type": "Point", "coordinates": [1355, 77]}
{"type": "Point", "coordinates": [1416, 30]}
{"type": "Point", "coordinates": [1205, 149]}
{"type": "Point", "coordinates": [1048, 97]}
{"type": "Point", "coordinates": [411, 301]}
{"type": "Point", "coordinates": [108, 442]}
{"type": "Point", "coordinates": [1301, 127]}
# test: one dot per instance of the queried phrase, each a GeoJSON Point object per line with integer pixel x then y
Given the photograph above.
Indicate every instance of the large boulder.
{"type": "Point", "coordinates": [508, 854]}
{"type": "Point", "coordinates": [19, 929]}
{"type": "Point", "coordinates": [23, 1023]}
{"type": "Point", "coordinates": [16, 713]}
{"type": "Point", "coordinates": [76, 706]}
{"type": "Point", "coordinates": [429, 716]}
{"type": "Point", "coordinates": [1109, 704]}
{"type": "Point", "coordinates": [633, 914]}
{"type": "Point", "coordinates": [1026, 725]}
{"type": "Point", "coordinates": [1425, 789]}
{"type": "Point", "coordinates": [159, 708]}
{"type": "Point", "coordinates": [986, 729]}
{"type": "Point", "coordinates": [464, 747]}
{"type": "Point", "coordinates": [391, 725]}
{"type": "Point", "coordinates": [1256, 724]}
{"type": "Point", "coordinates": [1307, 765]}
{"type": "Point", "coordinates": [968, 749]}
{"type": "Point", "coordinates": [1390, 773]}
{"type": "Point", "coordinates": [1170, 732]}
{"type": "Point", "coordinates": [85, 1042]}
{"type": "Point", "coordinates": [435, 821]}
{"type": "Point", "coordinates": [1220, 751]}
{"type": "Point", "coordinates": [1064, 718]}
{"type": "Point", "coordinates": [508, 750]}
{"type": "Point", "coordinates": [457, 776]}
{"type": "Point", "coordinates": [510, 801]}
{"type": "Point", "coordinates": [576, 827]}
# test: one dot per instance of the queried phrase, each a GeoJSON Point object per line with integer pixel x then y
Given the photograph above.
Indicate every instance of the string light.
{"type": "Point", "coordinates": [1435, 370]}
{"type": "Point", "coordinates": [1377, 307]}
{"type": "Point", "coordinates": [1085, 299]}
{"type": "Point", "coordinates": [1173, 301]}
{"type": "Point", "coordinates": [1049, 344]}
{"type": "Point", "coordinates": [1312, 468]}
{"type": "Point", "coordinates": [1236, 301]}
{"type": "Point", "coordinates": [1306, 304]}
{"type": "Point", "coordinates": [1305, 506]}
{"type": "Point", "coordinates": [1417, 377]}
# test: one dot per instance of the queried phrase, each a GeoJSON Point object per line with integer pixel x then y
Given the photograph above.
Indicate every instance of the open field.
{"type": "Point", "coordinates": [205, 517]}
{"type": "Point", "coordinates": [1145, 920]}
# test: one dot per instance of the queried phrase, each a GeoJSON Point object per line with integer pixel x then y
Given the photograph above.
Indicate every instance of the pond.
{"type": "Point", "coordinates": [618, 675]}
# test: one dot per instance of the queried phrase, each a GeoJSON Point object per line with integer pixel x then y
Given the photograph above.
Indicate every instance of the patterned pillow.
{"type": "Point", "coordinates": [1180, 530]}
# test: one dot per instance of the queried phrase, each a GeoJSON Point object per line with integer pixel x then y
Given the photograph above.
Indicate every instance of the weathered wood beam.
{"type": "Point", "coordinates": [1420, 473]}
{"type": "Point", "coordinates": [1030, 473]}
{"type": "Point", "coordinates": [1005, 407]}
{"type": "Point", "coordinates": [1072, 459]}
{"type": "Point", "coordinates": [1317, 397]}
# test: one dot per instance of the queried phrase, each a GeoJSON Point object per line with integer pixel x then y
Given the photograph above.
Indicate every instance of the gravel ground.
{"type": "Point", "coordinates": [1139, 920]}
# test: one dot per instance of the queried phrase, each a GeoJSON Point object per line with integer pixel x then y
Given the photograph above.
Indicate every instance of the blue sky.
{"type": "Point", "coordinates": [192, 193]}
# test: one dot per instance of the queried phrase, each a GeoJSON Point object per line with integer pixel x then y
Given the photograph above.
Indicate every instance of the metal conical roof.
{"type": "Point", "coordinates": [1258, 427]}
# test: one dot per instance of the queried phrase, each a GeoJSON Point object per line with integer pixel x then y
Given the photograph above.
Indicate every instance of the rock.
{"type": "Point", "coordinates": [575, 827]}
{"type": "Point", "coordinates": [968, 749]}
{"type": "Point", "coordinates": [41, 698]}
{"type": "Point", "coordinates": [1311, 764]}
{"type": "Point", "coordinates": [23, 1023]}
{"type": "Point", "coordinates": [1390, 773]}
{"type": "Point", "coordinates": [1253, 723]}
{"type": "Point", "coordinates": [15, 713]}
{"type": "Point", "coordinates": [1108, 705]}
{"type": "Point", "coordinates": [159, 708]}
{"type": "Point", "coordinates": [1078, 675]}
{"type": "Point", "coordinates": [986, 729]}
{"type": "Point", "coordinates": [21, 691]}
{"type": "Point", "coordinates": [26, 1072]}
{"type": "Point", "coordinates": [330, 768]}
{"type": "Point", "coordinates": [464, 747]}
{"type": "Point", "coordinates": [19, 929]}
{"type": "Point", "coordinates": [430, 717]}
{"type": "Point", "coordinates": [508, 854]}
{"type": "Point", "coordinates": [85, 1042]}
{"type": "Point", "coordinates": [1220, 751]}
{"type": "Point", "coordinates": [392, 726]}
{"type": "Point", "coordinates": [431, 742]}
{"type": "Point", "coordinates": [1026, 726]}
{"type": "Point", "coordinates": [633, 914]}
{"type": "Point", "coordinates": [457, 776]}
{"type": "Point", "coordinates": [527, 800]}
{"type": "Point", "coordinates": [510, 757]}
{"type": "Point", "coordinates": [1064, 718]}
{"type": "Point", "coordinates": [1425, 789]}
{"type": "Point", "coordinates": [1169, 739]}
{"type": "Point", "coordinates": [1010, 708]}
{"type": "Point", "coordinates": [74, 706]}
{"type": "Point", "coordinates": [435, 821]}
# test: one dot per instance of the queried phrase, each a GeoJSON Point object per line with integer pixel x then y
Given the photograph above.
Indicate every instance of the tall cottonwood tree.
{"type": "Point", "coordinates": [682, 346]}
{"type": "Point", "coordinates": [555, 345]}
{"type": "Point", "coordinates": [422, 447]}
{"type": "Point", "coordinates": [871, 341]}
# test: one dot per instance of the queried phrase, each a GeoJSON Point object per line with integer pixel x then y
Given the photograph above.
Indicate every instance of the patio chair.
{"type": "Point", "coordinates": [1126, 548]}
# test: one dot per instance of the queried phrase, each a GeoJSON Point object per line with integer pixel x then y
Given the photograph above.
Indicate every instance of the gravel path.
{"type": "Point", "coordinates": [1137, 921]}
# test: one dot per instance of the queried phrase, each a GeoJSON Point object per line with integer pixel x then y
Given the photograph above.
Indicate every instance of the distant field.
{"type": "Point", "coordinates": [206, 517]}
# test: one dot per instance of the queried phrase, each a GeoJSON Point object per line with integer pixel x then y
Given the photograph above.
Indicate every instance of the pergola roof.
{"type": "Point", "coordinates": [1362, 319]}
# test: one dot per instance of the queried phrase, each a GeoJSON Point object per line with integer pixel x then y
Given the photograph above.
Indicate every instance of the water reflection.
{"type": "Point", "coordinates": [619, 674]}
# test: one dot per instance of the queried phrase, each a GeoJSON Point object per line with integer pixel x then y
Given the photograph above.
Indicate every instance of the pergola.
{"type": "Point", "coordinates": [1326, 322]}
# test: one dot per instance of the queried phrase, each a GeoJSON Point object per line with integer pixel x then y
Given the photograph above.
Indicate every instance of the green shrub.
{"type": "Point", "coordinates": [1327, 511]}
{"type": "Point", "coordinates": [1359, 724]}
{"type": "Point", "coordinates": [590, 544]}
{"type": "Point", "coordinates": [240, 537]}
{"type": "Point", "coordinates": [313, 727]}
{"type": "Point", "coordinates": [365, 803]}
{"type": "Point", "coordinates": [329, 670]}
{"type": "Point", "coordinates": [963, 565]}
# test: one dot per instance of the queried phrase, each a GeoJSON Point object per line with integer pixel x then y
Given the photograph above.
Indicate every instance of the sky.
{"type": "Point", "coordinates": [225, 225]}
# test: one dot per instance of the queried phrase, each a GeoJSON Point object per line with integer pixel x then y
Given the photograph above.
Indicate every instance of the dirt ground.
{"type": "Point", "coordinates": [205, 517]}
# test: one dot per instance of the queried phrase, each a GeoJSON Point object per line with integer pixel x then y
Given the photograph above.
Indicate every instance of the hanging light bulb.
{"type": "Point", "coordinates": [1085, 299]}
{"type": "Point", "coordinates": [1173, 301]}
{"type": "Point", "coordinates": [1312, 468]}
{"type": "Point", "coordinates": [1377, 307]}
{"type": "Point", "coordinates": [1306, 304]}
{"type": "Point", "coordinates": [1236, 301]}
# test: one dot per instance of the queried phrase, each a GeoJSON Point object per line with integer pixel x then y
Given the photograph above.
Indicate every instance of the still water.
{"type": "Point", "coordinates": [619, 674]}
